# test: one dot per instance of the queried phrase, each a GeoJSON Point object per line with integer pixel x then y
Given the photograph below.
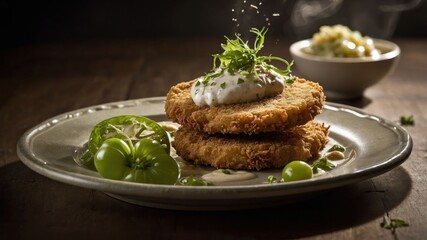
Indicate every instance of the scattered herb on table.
{"type": "Point", "coordinates": [407, 120]}
{"type": "Point", "coordinates": [393, 223]}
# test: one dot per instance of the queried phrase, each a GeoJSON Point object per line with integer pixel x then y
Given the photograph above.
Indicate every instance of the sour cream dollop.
{"type": "Point", "coordinates": [230, 88]}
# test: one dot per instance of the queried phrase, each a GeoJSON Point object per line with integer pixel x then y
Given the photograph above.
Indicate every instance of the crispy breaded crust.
{"type": "Point", "coordinates": [254, 152]}
{"type": "Point", "coordinates": [296, 105]}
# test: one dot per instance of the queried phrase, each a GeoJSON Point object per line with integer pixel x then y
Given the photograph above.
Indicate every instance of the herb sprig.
{"type": "Point", "coordinates": [322, 163]}
{"type": "Point", "coordinates": [239, 57]}
{"type": "Point", "coordinates": [336, 147]}
{"type": "Point", "coordinates": [407, 120]}
{"type": "Point", "coordinates": [393, 223]}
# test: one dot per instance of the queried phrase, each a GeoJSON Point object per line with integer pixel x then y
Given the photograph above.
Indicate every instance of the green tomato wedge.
{"type": "Point", "coordinates": [296, 170]}
{"type": "Point", "coordinates": [124, 127]}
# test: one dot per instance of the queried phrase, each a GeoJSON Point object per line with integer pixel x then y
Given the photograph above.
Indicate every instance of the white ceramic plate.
{"type": "Point", "coordinates": [373, 146]}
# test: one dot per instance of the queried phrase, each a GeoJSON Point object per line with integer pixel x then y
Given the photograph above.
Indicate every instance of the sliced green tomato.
{"type": "Point", "coordinates": [296, 170]}
{"type": "Point", "coordinates": [112, 159]}
{"type": "Point", "coordinates": [108, 129]}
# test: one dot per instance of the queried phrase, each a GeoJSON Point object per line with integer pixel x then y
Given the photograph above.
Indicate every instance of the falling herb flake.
{"type": "Point", "coordinates": [240, 81]}
{"type": "Point", "coordinates": [226, 171]}
{"type": "Point", "coordinates": [222, 85]}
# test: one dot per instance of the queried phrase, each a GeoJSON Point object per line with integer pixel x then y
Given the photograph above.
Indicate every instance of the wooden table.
{"type": "Point", "coordinates": [42, 81]}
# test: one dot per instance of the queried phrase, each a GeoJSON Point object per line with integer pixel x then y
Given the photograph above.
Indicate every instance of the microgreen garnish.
{"type": "Point", "coordinates": [239, 57]}
{"type": "Point", "coordinates": [210, 76]}
{"type": "Point", "coordinates": [322, 163]}
{"type": "Point", "coordinates": [240, 81]}
{"type": "Point", "coordinates": [222, 85]}
{"type": "Point", "coordinates": [289, 80]}
{"type": "Point", "coordinates": [393, 223]}
{"type": "Point", "coordinates": [271, 179]}
{"type": "Point", "coordinates": [172, 134]}
{"type": "Point", "coordinates": [198, 83]}
{"type": "Point", "coordinates": [407, 120]}
{"type": "Point", "coordinates": [337, 147]}
{"type": "Point", "coordinates": [245, 74]}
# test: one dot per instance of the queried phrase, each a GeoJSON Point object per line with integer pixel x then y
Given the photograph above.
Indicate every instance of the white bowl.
{"type": "Point", "coordinates": [345, 78]}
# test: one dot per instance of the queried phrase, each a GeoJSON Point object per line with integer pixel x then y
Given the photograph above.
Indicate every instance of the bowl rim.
{"type": "Point", "coordinates": [296, 47]}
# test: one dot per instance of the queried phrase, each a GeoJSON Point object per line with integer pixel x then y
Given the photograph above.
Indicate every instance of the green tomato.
{"type": "Point", "coordinates": [146, 162]}
{"type": "Point", "coordinates": [147, 149]}
{"type": "Point", "coordinates": [112, 160]}
{"type": "Point", "coordinates": [123, 127]}
{"type": "Point", "coordinates": [152, 164]}
{"type": "Point", "coordinates": [296, 170]}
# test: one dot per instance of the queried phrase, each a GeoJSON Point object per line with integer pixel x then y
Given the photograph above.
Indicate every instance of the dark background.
{"type": "Point", "coordinates": [41, 21]}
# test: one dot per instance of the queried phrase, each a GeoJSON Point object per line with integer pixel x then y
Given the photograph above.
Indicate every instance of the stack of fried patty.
{"type": "Point", "coordinates": [267, 133]}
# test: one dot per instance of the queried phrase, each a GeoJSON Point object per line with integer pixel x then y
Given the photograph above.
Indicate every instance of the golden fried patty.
{"type": "Point", "coordinates": [250, 152]}
{"type": "Point", "coordinates": [296, 105]}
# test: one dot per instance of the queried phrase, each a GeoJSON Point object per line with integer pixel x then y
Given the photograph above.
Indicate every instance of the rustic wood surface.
{"type": "Point", "coordinates": [42, 81]}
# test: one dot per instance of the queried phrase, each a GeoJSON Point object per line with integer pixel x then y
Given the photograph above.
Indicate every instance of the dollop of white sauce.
{"type": "Point", "coordinates": [225, 175]}
{"type": "Point", "coordinates": [236, 88]}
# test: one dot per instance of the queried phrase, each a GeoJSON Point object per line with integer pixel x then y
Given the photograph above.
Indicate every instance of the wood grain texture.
{"type": "Point", "coordinates": [42, 81]}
